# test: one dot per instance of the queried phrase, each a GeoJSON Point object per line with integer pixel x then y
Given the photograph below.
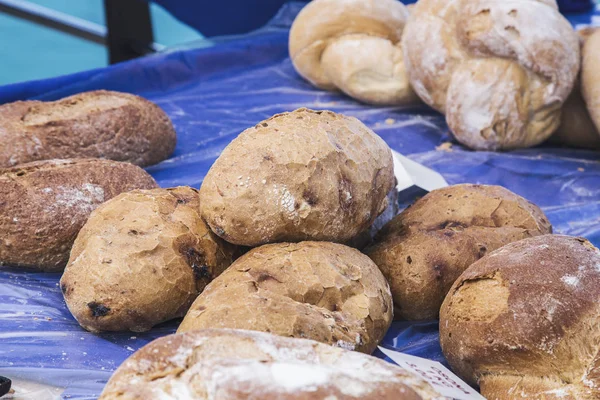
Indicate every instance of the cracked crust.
{"type": "Point", "coordinates": [425, 248]}
{"type": "Point", "coordinates": [100, 124]}
{"type": "Point", "coordinates": [230, 364]}
{"type": "Point", "coordinates": [323, 291]}
{"type": "Point", "coordinates": [302, 175]}
{"type": "Point", "coordinates": [539, 336]}
{"type": "Point", "coordinates": [141, 259]}
{"type": "Point", "coordinates": [353, 46]}
{"type": "Point", "coordinates": [44, 204]}
{"type": "Point", "coordinates": [499, 70]}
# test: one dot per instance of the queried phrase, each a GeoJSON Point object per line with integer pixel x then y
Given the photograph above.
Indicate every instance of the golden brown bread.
{"type": "Point", "coordinates": [524, 321]}
{"type": "Point", "coordinates": [353, 46]}
{"type": "Point", "coordinates": [44, 204]}
{"type": "Point", "coordinates": [227, 364]}
{"type": "Point", "coordinates": [323, 291]}
{"type": "Point", "coordinates": [302, 175]}
{"type": "Point", "coordinates": [141, 259]}
{"type": "Point", "coordinates": [590, 75]}
{"type": "Point", "coordinates": [100, 124]}
{"type": "Point", "coordinates": [499, 70]}
{"type": "Point", "coordinates": [425, 248]}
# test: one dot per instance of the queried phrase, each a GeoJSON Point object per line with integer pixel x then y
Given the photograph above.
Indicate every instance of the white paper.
{"type": "Point", "coordinates": [410, 173]}
{"type": "Point", "coordinates": [440, 377]}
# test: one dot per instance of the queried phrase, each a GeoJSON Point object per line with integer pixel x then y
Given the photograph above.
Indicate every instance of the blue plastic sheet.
{"type": "Point", "coordinates": [212, 94]}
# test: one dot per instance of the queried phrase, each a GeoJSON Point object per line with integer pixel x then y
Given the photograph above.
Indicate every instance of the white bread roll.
{"type": "Point", "coordinates": [499, 70]}
{"type": "Point", "coordinates": [228, 364]}
{"type": "Point", "coordinates": [353, 46]}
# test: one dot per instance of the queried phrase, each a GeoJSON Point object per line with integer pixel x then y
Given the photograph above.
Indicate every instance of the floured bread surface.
{"type": "Point", "coordinates": [323, 291]}
{"type": "Point", "coordinates": [590, 75]}
{"type": "Point", "coordinates": [425, 248]}
{"type": "Point", "coordinates": [353, 46]}
{"type": "Point", "coordinates": [499, 70]}
{"type": "Point", "coordinates": [229, 364]}
{"type": "Point", "coordinates": [302, 175]}
{"type": "Point", "coordinates": [141, 259]}
{"type": "Point", "coordinates": [98, 124]}
{"type": "Point", "coordinates": [524, 321]}
{"type": "Point", "coordinates": [44, 204]}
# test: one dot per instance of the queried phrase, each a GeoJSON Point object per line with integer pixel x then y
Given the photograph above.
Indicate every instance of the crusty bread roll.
{"type": "Point", "coordinates": [323, 291]}
{"type": "Point", "coordinates": [353, 46]}
{"type": "Point", "coordinates": [425, 248]}
{"type": "Point", "coordinates": [576, 126]}
{"type": "Point", "coordinates": [524, 321]}
{"type": "Point", "coordinates": [301, 175]}
{"type": "Point", "coordinates": [590, 75]}
{"type": "Point", "coordinates": [225, 364]}
{"type": "Point", "coordinates": [499, 70]}
{"type": "Point", "coordinates": [141, 259]}
{"type": "Point", "coordinates": [99, 124]}
{"type": "Point", "coordinates": [44, 204]}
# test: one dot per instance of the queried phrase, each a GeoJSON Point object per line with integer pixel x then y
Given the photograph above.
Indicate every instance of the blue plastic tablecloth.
{"type": "Point", "coordinates": [212, 94]}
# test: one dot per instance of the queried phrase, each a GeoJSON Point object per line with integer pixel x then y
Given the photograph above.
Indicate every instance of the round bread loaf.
{"type": "Point", "coordinates": [353, 46]}
{"type": "Point", "coordinates": [576, 126]}
{"type": "Point", "coordinates": [303, 175]}
{"type": "Point", "coordinates": [44, 204]}
{"type": "Point", "coordinates": [323, 291]}
{"type": "Point", "coordinates": [100, 124]}
{"type": "Point", "coordinates": [524, 321]}
{"type": "Point", "coordinates": [425, 248]}
{"type": "Point", "coordinates": [590, 75]}
{"type": "Point", "coordinates": [230, 364]}
{"type": "Point", "coordinates": [141, 259]}
{"type": "Point", "coordinates": [499, 70]}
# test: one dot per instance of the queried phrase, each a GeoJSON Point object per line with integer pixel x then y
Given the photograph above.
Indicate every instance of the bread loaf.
{"type": "Point", "coordinates": [524, 321]}
{"type": "Point", "coordinates": [499, 70]}
{"type": "Point", "coordinates": [229, 364]}
{"type": "Point", "coordinates": [303, 175]}
{"type": "Point", "coordinates": [576, 126]}
{"type": "Point", "coordinates": [590, 75]}
{"type": "Point", "coordinates": [425, 248]}
{"type": "Point", "coordinates": [353, 46]}
{"type": "Point", "coordinates": [44, 204]}
{"type": "Point", "coordinates": [100, 124]}
{"type": "Point", "coordinates": [323, 291]}
{"type": "Point", "coordinates": [141, 259]}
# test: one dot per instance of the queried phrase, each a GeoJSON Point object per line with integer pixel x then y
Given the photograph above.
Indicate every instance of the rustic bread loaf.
{"type": "Point", "coordinates": [499, 70]}
{"type": "Point", "coordinates": [524, 321]}
{"type": "Point", "coordinates": [425, 248]}
{"type": "Point", "coordinates": [100, 124]}
{"type": "Point", "coordinates": [302, 175]}
{"type": "Point", "coordinates": [323, 291]}
{"type": "Point", "coordinates": [590, 75]}
{"type": "Point", "coordinates": [141, 259]}
{"type": "Point", "coordinates": [353, 46]}
{"type": "Point", "coordinates": [576, 126]}
{"type": "Point", "coordinates": [227, 364]}
{"type": "Point", "coordinates": [44, 204]}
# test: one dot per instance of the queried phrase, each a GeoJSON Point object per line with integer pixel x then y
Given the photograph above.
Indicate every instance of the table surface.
{"type": "Point", "coordinates": [213, 94]}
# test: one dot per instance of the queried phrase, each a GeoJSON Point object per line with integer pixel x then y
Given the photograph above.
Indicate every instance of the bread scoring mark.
{"type": "Point", "coordinates": [98, 309]}
{"type": "Point", "coordinates": [345, 196]}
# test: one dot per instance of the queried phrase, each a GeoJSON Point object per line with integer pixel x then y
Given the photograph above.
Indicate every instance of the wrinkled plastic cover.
{"type": "Point", "coordinates": [212, 94]}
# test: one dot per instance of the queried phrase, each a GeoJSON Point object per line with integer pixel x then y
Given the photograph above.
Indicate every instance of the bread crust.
{"type": "Point", "coordinates": [499, 70]}
{"type": "Point", "coordinates": [523, 322]}
{"type": "Point", "coordinates": [44, 204]}
{"type": "Point", "coordinates": [302, 175]}
{"type": "Point", "coordinates": [424, 249]}
{"type": "Point", "coordinates": [323, 291]}
{"type": "Point", "coordinates": [590, 76]}
{"type": "Point", "coordinates": [230, 364]}
{"type": "Point", "coordinates": [141, 259]}
{"type": "Point", "coordinates": [99, 124]}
